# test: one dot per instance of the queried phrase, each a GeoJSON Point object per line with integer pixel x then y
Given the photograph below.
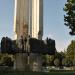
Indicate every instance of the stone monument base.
{"type": "Point", "coordinates": [23, 62]}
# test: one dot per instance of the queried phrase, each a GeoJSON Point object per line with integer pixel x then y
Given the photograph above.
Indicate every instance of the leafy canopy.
{"type": "Point", "coordinates": [69, 18]}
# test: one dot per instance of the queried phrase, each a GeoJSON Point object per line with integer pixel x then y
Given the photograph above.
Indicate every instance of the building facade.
{"type": "Point", "coordinates": [28, 18]}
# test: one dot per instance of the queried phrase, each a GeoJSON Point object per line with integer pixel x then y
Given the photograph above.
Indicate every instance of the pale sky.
{"type": "Point", "coordinates": [53, 22]}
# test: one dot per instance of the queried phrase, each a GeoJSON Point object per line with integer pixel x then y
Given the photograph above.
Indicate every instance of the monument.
{"type": "Point", "coordinates": [28, 18]}
{"type": "Point", "coordinates": [28, 21]}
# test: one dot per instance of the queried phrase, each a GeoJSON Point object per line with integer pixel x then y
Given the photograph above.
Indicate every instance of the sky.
{"type": "Point", "coordinates": [53, 22]}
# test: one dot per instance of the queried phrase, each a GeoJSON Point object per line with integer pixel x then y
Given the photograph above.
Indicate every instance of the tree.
{"type": "Point", "coordinates": [44, 63]}
{"type": "Point", "coordinates": [67, 62]}
{"type": "Point", "coordinates": [57, 62]}
{"type": "Point", "coordinates": [71, 51]}
{"type": "Point", "coordinates": [6, 45]}
{"type": "Point", "coordinates": [60, 56]}
{"type": "Point", "coordinates": [7, 60]}
{"type": "Point", "coordinates": [64, 61]}
{"type": "Point", "coordinates": [50, 59]}
{"type": "Point", "coordinates": [69, 18]}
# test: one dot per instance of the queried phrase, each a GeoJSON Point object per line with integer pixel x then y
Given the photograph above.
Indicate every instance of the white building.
{"type": "Point", "coordinates": [28, 18]}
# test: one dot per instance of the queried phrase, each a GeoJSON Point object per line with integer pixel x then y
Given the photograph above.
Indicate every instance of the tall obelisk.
{"type": "Point", "coordinates": [37, 19]}
{"type": "Point", "coordinates": [28, 18]}
{"type": "Point", "coordinates": [21, 18]}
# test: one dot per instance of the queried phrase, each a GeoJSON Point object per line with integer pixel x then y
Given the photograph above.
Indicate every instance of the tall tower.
{"type": "Point", "coordinates": [28, 18]}
{"type": "Point", "coordinates": [21, 18]}
{"type": "Point", "coordinates": [37, 19]}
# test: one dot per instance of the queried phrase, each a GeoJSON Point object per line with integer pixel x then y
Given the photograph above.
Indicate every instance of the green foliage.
{"type": "Point", "coordinates": [0, 56]}
{"type": "Point", "coordinates": [70, 54]}
{"type": "Point", "coordinates": [69, 18]}
{"type": "Point", "coordinates": [60, 55]}
{"type": "Point", "coordinates": [64, 61]}
{"type": "Point", "coordinates": [67, 62]}
{"type": "Point", "coordinates": [57, 62]}
{"type": "Point", "coordinates": [44, 60]}
{"type": "Point", "coordinates": [71, 50]}
{"type": "Point", "coordinates": [6, 60]}
{"type": "Point", "coordinates": [48, 60]}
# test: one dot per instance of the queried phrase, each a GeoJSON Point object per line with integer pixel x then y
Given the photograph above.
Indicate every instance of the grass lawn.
{"type": "Point", "coordinates": [34, 73]}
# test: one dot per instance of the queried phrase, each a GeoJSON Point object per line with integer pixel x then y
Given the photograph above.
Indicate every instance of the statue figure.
{"type": "Point", "coordinates": [25, 41]}
{"type": "Point", "coordinates": [28, 44]}
{"type": "Point", "coordinates": [22, 43]}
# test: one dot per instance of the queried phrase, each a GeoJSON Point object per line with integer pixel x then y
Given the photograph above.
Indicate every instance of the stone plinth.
{"type": "Point", "coordinates": [31, 63]}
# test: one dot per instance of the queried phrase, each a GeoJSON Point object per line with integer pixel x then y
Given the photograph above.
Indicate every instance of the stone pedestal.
{"type": "Point", "coordinates": [25, 63]}
{"type": "Point", "coordinates": [20, 61]}
{"type": "Point", "coordinates": [35, 62]}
